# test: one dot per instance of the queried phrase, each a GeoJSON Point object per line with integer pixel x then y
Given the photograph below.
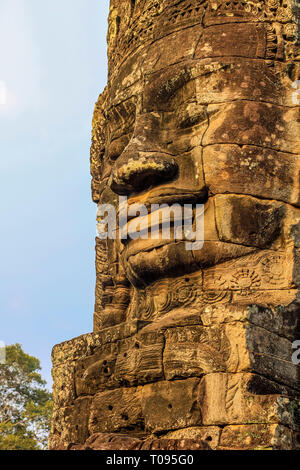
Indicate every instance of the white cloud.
{"type": "Point", "coordinates": [3, 94]}
{"type": "Point", "coordinates": [8, 101]}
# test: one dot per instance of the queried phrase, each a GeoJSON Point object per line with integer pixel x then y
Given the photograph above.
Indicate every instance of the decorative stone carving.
{"type": "Point", "coordinates": [193, 348]}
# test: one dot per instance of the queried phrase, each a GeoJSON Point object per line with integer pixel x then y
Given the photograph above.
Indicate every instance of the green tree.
{"type": "Point", "coordinates": [25, 404]}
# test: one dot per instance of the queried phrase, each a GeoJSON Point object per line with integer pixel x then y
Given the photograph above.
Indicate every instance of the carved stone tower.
{"type": "Point", "coordinates": [193, 348]}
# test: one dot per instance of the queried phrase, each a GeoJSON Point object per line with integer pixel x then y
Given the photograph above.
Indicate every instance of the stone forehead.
{"type": "Point", "coordinates": [207, 81]}
{"type": "Point", "coordinates": [135, 23]}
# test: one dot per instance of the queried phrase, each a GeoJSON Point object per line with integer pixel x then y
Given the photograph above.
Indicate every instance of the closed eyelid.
{"type": "Point", "coordinates": [162, 92]}
{"type": "Point", "coordinates": [192, 119]}
{"type": "Point", "coordinates": [171, 86]}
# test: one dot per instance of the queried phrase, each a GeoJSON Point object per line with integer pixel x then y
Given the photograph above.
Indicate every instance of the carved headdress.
{"type": "Point", "coordinates": [133, 24]}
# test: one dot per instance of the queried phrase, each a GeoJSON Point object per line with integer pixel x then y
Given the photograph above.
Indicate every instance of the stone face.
{"type": "Point", "coordinates": [192, 344]}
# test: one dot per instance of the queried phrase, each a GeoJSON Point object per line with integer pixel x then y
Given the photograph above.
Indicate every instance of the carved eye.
{"type": "Point", "coordinates": [117, 147]}
{"type": "Point", "coordinates": [190, 116]}
{"type": "Point", "coordinates": [190, 121]}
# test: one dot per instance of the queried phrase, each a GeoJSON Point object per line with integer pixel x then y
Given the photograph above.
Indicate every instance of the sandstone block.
{"type": "Point", "coordinates": [140, 359]}
{"type": "Point", "coordinates": [170, 405]}
{"type": "Point", "coordinates": [226, 399]}
{"type": "Point", "coordinates": [258, 436]}
{"type": "Point", "coordinates": [70, 423]}
{"type": "Point", "coordinates": [193, 351]}
{"type": "Point", "coordinates": [209, 434]}
{"type": "Point", "coordinates": [96, 372]}
{"type": "Point", "coordinates": [64, 384]}
{"type": "Point", "coordinates": [116, 410]}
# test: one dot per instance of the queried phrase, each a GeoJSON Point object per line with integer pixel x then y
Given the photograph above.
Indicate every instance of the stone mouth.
{"type": "Point", "coordinates": [169, 197]}
{"type": "Point", "coordinates": [151, 226]}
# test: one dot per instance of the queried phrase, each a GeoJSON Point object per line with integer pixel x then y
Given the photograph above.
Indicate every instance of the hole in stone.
{"type": "Point", "coordinates": [125, 417]}
{"type": "Point", "coordinates": [137, 346]}
{"type": "Point", "coordinates": [170, 406]}
{"type": "Point", "coordinates": [187, 279]}
{"type": "Point", "coordinates": [76, 427]}
{"type": "Point", "coordinates": [106, 371]}
{"type": "Point", "coordinates": [209, 438]}
{"type": "Point", "coordinates": [125, 355]}
{"type": "Point", "coordinates": [110, 407]}
{"type": "Point", "coordinates": [104, 363]}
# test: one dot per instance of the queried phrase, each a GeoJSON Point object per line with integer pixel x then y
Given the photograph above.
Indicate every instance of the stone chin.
{"type": "Point", "coordinates": [165, 259]}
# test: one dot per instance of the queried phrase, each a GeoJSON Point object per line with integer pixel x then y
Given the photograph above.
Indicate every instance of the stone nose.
{"type": "Point", "coordinates": [137, 171]}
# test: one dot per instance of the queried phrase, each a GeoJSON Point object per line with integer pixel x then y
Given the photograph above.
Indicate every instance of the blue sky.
{"type": "Point", "coordinates": [52, 69]}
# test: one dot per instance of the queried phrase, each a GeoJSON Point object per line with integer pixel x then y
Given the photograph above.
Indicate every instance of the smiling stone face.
{"type": "Point", "coordinates": [193, 345]}
{"type": "Point", "coordinates": [200, 115]}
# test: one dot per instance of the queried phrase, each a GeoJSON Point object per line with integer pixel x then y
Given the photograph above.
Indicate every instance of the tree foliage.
{"type": "Point", "coordinates": [25, 404]}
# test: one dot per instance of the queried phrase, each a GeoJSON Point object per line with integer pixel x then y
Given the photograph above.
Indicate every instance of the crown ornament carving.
{"type": "Point", "coordinates": [134, 24]}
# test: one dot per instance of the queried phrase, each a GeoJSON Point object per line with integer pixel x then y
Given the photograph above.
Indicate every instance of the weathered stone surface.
{"type": "Point", "coordinates": [64, 384]}
{"type": "Point", "coordinates": [243, 40]}
{"type": "Point", "coordinates": [140, 359]}
{"type": "Point", "coordinates": [254, 125]}
{"type": "Point", "coordinates": [258, 437]}
{"type": "Point", "coordinates": [116, 410]}
{"type": "Point", "coordinates": [193, 351]}
{"type": "Point", "coordinates": [226, 399]}
{"type": "Point", "coordinates": [96, 372]}
{"type": "Point", "coordinates": [170, 405]}
{"type": "Point", "coordinates": [70, 423]}
{"type": "Point", "coordinates": [283, 321]}
{"type": "Point", "coordinates": [84, 345]}
{"type": "Point", "coordinates": [101, 441]}
{"type": "Point", "coordinates": [192, 344]}
{"type": "Point", "coordinates": [282, 371]}
{"type": "Point", "coordinates": [258, 223]}
{"type": "Point", "coordinates": [175, 444]}
{"type": "Point", "coordinates": [252, 170]}
{"type": "Point", "coordinates": [208, 434]}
